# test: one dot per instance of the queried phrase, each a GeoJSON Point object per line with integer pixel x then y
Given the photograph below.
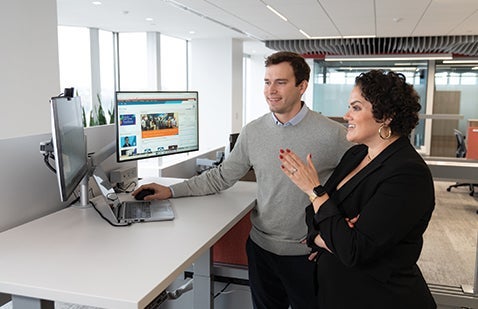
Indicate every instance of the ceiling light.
{"type": "Point", "coordinates": [304, 33]}
{"type": "Point", "coordinates": [358, 36]}
{"type": "Point", "coordinates": [96, 2]}
{"type": "Point", "coordinates": [375, 67]}
{"type": "Point", "coordinates": [458, 60]}
{"type": "Point", "coordinates": [275, 12]}
{"type": "Point", "coordinates": [197, 13]}
{"type": "Point", "coordinates": [325, 37]}
{"type": "Point", "coordinates": [391, 57]}
{"type": "Point", "coordinates": [149, 19]}
{"type": "Point", "coordinates": [410, 63]}
{"type": "Point", "coordinates": [334, 37]}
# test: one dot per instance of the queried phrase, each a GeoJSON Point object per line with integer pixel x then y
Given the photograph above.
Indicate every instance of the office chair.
{"type": "Point", "coordinates": [461, 153]}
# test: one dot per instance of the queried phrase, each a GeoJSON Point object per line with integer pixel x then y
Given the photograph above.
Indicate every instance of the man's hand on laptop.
{"type": "Point", "coordinates": [159, 192]}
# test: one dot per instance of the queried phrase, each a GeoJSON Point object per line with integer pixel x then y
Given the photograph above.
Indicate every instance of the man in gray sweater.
{"type": "Point", "coordinates": [277, 258]}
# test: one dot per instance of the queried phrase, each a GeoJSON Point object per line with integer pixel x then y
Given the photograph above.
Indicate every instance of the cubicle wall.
{"type": "Point", "coordinates": [29, 189]}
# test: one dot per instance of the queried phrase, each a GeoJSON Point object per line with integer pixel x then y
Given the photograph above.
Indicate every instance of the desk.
{"type": "Point", "coordinates": [453, 169]}
{"type": "Point", "coordinates": [74, 256]}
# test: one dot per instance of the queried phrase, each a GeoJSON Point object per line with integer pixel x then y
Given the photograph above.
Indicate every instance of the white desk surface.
{"type": "Point", "coordinates": [453, 169]}
{"type": "Point", "coordinates": [445, 161]}
{"type": "Point", "coordinates": [74, 256]}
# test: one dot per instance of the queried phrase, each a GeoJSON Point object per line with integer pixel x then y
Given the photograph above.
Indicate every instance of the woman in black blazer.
{"type": "Point", "coordinates": [366, 223]}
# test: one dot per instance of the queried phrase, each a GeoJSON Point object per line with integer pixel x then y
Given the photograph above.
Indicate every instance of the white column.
{"type": "Point", "coordinates": [153, 40]}
{"type": "Point", "coordinates": [216, 72]}
{"type": "Point", "coordinates": [29, 65]}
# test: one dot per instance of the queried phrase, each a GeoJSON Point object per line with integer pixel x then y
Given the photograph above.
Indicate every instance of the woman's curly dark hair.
{"type": "Point", "coordinates": [391, 97]}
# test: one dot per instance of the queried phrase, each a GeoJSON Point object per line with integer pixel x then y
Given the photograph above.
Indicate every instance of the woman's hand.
{"type": "Point", "coordinates": [319, 242]}
{"type": "Point", "coordinates": [304, 175]}
{"type": "Point", "coordinates": [351, 222]}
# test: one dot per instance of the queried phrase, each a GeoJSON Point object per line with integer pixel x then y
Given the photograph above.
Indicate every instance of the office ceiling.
{"type": "Point", "coordinates": [307, 20]}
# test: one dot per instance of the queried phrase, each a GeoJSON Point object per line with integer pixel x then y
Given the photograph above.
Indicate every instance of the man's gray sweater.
{"type": "Point", "coordinates": [278, 221]}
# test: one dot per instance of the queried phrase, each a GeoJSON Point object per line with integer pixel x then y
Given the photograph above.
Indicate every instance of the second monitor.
{"type": "Point", "coordinates": [156, 123]}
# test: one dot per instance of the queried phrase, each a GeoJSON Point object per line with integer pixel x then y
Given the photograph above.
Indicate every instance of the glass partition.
{"type": "Point", "coordinates": [456, 97]}
{"type": "Point", "coordinates": [333, 81]}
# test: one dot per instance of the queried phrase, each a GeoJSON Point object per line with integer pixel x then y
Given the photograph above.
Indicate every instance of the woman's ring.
{"type": "Point", "coordinates": [293, 171]}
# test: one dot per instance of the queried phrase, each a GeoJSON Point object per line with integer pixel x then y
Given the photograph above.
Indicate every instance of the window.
{"type": "Point", "coordinates": [333, 82]}
{"type": "Point", "coordinates": [75, 64]}
{"type": "Point", "coordinates": [455, 97]}
{"type": "Point", "coordinates": [107, 73]}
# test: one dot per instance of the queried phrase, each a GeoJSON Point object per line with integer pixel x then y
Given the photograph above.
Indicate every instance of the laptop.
{"type": "Point", "coordinates": [127, 212]}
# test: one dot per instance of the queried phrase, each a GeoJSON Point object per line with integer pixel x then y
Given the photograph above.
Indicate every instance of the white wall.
{"type": "Point", "coordinates": [257, 105]}
{"type": "Point", "coordinates": [29, 77]}
{"type": "Point", "coordinates": [215, 74]}
{"type": "Point", "coordinates": [29, 70]}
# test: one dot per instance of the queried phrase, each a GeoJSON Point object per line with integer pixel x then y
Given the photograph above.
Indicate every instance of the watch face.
{"type": "Point", "coordinates": [319, 190]}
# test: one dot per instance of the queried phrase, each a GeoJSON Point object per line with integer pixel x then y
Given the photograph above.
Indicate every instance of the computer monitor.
{"type": "Point", "coordinates": [156, 123]}
{"type": "Point", "coordinates": [69, 144]}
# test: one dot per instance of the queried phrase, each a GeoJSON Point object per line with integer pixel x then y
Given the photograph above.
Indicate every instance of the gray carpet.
{"type": "Point", "coordinates": [450, 242]}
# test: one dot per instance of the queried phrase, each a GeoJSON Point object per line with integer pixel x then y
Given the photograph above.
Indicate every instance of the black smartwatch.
{"type": "Point", "coordinates": [316, 192]}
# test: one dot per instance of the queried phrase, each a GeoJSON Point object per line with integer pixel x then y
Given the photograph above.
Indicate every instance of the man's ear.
{"type": "Point", "coordinates": [303, 86]}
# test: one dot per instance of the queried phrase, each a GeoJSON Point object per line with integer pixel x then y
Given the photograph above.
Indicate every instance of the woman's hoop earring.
{"type": "Point", "coordinates": [380, 132]}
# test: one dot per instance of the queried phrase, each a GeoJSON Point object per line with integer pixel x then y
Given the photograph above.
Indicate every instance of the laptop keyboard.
{"type": "Point", "coordinates": [137, 210]}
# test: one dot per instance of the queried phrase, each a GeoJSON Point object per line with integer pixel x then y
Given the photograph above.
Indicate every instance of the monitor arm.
{"type": "Point", "coordinates": [104, 153]}
{"type": "Point", "coordinates": [94, 160]}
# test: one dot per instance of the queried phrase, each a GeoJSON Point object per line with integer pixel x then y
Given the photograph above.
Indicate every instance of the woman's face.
{"type": "Point", "coordinates": [362, 127]}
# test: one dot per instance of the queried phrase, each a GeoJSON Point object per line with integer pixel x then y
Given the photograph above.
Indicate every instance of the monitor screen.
{"type": "Point", "coordinates": [156, 123]}
{"type": "Point", "coordinates": [69, 143]}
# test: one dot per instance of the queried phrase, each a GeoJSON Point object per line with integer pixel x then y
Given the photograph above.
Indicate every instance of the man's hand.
{"type": "Point", "coordinates": [160, 192]}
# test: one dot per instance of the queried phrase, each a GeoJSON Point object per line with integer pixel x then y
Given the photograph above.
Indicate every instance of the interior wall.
{"type": "Point", "coordinates": [443, 142]}
{"type": "Point", "coordinates": [29, 65]}
{"type": "Point", "coordinates": [256, 105]}
{"type": "Point", "coordinates": [237, 81]}
{"type": "Point", "coordinates": [212, 74]}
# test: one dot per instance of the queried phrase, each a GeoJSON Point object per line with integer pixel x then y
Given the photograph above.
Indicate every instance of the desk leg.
{"type": "Point", "coordinates": [202, 282]}
{"type": "Point", "coordinates": [22, 302]}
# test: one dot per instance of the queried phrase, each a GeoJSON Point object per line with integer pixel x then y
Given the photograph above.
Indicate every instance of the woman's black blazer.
{"type": "Point", "coordinates": [373, 265]}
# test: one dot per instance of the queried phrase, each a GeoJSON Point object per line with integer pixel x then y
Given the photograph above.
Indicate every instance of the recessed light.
{"type": "Point", "coordinates": [192, 32]}
{"type": "Point", "coordinates": [304, 33]}
{"type": "Point", "coordinates": [96, 2]}
{"type": "Point", "coordinates": [276, 12]}
{"type": "Point", "coordinates": [149, 19]}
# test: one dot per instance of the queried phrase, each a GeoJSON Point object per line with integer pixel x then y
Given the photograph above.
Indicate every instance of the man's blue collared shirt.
{"type": "Point", "coordinates": [295, 120]}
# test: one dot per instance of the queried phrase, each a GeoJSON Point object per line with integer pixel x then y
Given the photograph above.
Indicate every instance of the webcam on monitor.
{"type": "Point", "coordinates": [69, 92]}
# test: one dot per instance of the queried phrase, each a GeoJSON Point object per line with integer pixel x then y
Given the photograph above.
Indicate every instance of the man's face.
{"type": "Point", "coordinates": [280, 91]}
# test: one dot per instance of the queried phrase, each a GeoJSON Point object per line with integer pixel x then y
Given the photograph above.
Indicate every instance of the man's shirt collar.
{"type": "Point", "coordinates": [295, 120]}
